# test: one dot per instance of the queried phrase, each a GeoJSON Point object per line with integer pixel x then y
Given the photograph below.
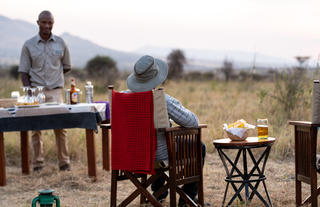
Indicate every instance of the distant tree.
{"type": "Point", "coordinates": [13, 71]}
{"type": "Point", "coordinates": [303, 62]}
{"type": "Point", "coordinates": [176, 59]}
{"type": "Point", "coordinates": [102, 67]}
{"type": "Point", "coordinates": [227, 69]}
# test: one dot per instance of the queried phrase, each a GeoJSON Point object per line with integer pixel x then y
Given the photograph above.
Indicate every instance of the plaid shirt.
{"type": "Point", "coordinates": [181, 116]}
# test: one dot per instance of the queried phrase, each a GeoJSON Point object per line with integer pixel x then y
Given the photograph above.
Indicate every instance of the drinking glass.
{"type": "Point", "coordinates": [27, 97]}
{"type": "Point", "coordinates": [22, 99]}
{"type": "Point", "coordinates": [33, 98]}
{"type": "Point", "coordinates": [41, 97]}
{"type": "Point", "coordinates": [262, 126]}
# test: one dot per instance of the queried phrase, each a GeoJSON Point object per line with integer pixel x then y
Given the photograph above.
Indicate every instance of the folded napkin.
{"type": "Point", "coordinates": [107, 108]}
{"type": "Point", "coordinates": [134, 140]}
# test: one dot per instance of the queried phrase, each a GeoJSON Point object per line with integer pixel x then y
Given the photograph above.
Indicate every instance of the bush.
{"type": "Point", "coordinates": [13, 71]}
{"type": "Point", "coordinates": [176, 59]}
{"type": "Point", "coordinates": [289, 90]}
{"type": "Point", "coordinates": [197, 75]}
{"type": "Point", "coordinates": [227, 69]}
{"type": "Point", "coordinates": [102, 68]}
{"type": "Point", "coordinates": [77, 73]}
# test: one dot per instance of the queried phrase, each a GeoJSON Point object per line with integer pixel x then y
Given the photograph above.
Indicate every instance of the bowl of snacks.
{"type": "Point", "coordinates": [238, 131]}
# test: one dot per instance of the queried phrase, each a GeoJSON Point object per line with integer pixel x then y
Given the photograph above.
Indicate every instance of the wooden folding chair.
{"type": "Point", "coordinates": [185, 166]}
{"type": "Point", "coordinates": [185, 162]}
{"type": "Point", "coordinates": [305, 136]}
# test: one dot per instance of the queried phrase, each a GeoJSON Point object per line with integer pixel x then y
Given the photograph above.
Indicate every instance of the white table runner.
{"type": "Point", "coordinates": [54, 109]}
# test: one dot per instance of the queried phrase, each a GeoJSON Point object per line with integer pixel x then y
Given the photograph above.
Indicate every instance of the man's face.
{"type": "Point", "coordinates": [45, 25]}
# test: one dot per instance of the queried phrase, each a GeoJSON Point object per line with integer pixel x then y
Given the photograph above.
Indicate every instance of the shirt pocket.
{"type": "Point", "coordinates": [56, 56]}
{"type": "Point", "coordinates": [37, 57]}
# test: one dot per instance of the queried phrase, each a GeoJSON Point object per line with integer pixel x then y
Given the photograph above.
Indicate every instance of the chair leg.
{"type": "Point", "coordinates": [309, 200]}
{"type": "Point", "coordinates": [314, 198]}
{"type": "Point", "coordinates": [298, 193]}
{"type": "Point", "coordinates": [113, 199]}
{"type": "Point", "coordinates": [173, 191]}
{"type": "Point", "coordinates": [200, 194]}
{"type": "Point", "coordinates": [186, 198]}
{"type": "Point", "coordinates": [142, 189]}
{"type": "Point", "coordinates": [142, 197]}
{"type": "Point", "coordinates": [313, 186]}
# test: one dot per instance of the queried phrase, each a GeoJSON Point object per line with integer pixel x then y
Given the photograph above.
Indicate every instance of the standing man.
{"type": "Point", "coordinates": [44, 60]}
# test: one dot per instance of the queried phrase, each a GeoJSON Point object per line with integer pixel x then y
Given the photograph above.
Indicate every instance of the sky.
{"type": "Point", "coordinates": [283, 28]}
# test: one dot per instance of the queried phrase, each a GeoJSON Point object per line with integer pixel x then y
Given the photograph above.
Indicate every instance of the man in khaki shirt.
{"type": "Point", "coordinates": [44, 60]}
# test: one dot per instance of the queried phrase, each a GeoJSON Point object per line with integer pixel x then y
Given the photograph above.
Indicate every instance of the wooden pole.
{"type": "Point", "coordinates": [91, 153]}
{"type": "Point", "coordinates": [2, 161]}
{"type": "Point", "coordinates": [24, 146]}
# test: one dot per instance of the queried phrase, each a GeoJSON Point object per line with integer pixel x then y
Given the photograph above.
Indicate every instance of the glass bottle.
{"type": "Point", "coordinates": [73, 92]}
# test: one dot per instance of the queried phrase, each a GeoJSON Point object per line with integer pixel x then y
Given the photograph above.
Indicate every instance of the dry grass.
{"type": "Point", "coordinates": [75, 189]}
{"type": "Point", "coordinates": [214, 102]}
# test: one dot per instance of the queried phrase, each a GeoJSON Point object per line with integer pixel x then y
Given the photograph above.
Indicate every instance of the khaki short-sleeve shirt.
{"type": "Point", "coordinates": [45, 61]}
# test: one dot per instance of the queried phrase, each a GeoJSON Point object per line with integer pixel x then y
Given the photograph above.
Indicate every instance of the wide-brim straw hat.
{"type": "Point", "coordinates": [149, 72]}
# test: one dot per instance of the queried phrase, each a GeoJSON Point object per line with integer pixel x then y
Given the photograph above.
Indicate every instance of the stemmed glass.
{"type": "Point", "coordinates": [41, 97]}
{"type": "Point", "coordinates": [22, 98]}
{"type": "Point", "coordinates": [33, 98]}
{"type": "Point", "coordinates": [25, 98]}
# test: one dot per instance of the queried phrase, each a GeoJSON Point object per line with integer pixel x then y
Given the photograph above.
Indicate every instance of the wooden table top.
{"type": "Point", "coordinates": [250, 141]}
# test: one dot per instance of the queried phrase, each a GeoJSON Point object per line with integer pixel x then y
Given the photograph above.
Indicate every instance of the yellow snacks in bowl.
{"type": "Point", "coordinates": [238, 130]}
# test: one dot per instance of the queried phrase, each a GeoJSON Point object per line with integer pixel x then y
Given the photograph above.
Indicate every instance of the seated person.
{"type": "Point", "coordinates": [149, 73]}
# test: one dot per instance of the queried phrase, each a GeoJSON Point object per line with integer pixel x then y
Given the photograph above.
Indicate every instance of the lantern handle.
{"type": "Point", "coordinates": [34, 201]}
{"type": "Point", "coordinates": [56, 198]}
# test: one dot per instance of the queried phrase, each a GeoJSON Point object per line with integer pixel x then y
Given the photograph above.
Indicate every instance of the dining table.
{"type": "Point", "coordinates": [51, 116]}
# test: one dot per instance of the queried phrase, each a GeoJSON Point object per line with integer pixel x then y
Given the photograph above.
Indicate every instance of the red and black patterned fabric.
{"type": "Point", "coordinates": [134, 140]}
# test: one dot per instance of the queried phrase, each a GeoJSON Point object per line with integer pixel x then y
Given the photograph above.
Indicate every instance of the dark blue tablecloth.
{"type": "Point", "coordinates": [85, 120]}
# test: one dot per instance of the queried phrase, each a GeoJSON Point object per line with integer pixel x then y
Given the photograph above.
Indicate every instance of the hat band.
{"type": "Point", "coordinates": [147, 75]}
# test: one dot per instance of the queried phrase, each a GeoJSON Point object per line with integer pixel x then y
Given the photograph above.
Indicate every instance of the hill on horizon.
{"type": "Point", "coordinates": [14, 33]}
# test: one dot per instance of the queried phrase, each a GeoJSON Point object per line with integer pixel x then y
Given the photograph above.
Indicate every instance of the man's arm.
{"type": "Point", "coordinates": [24, 66]}
{"type": "Point", "coordinates": [66, 60]}
{"type": "Point", "coordinates": [25, 78]}
{"type": "Point", "coordinates": [179, 114]}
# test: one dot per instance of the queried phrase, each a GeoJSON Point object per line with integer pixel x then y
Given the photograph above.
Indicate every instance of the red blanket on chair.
{"type": "Point", "coordinates": [134, 140]}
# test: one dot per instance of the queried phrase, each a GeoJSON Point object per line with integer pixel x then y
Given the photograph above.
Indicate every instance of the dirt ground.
{"type": "Point", "coordinates": [75, 189]}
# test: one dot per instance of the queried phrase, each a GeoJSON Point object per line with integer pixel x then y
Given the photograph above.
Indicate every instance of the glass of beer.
{"type": "Point", "coordinates": [262, 126]}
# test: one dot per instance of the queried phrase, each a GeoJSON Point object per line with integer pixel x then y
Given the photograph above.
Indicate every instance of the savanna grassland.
{"type": "Point", "coordinates": [215, 102]}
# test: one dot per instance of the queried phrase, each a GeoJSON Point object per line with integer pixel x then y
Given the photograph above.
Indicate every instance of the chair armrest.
{"type": "Point", "coordinates": [106, 126]}
{"type": "Point", "coordinates": [303, 123]}
{"type": "Point", "coordinates": [176, 128]}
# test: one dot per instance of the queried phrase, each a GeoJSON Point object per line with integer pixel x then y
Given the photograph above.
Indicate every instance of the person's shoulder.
{"type": "Point", "coordinates": [168, 96]}
{"type": "Point", "coordinates": [31, 40]}
{"type": "Point", "coordinates": [171, 99]}
{"type": "Point", "coordinates": [59, 39]}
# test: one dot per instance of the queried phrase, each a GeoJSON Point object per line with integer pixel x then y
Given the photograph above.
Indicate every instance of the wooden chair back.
{"type": "Point", "coordinates": [305, 136]}
{"type": "Point", "coordinates": [185, 162]}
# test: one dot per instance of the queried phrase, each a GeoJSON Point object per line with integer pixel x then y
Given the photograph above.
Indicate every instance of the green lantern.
{"type": "Point", "coordinates": [46, 199]}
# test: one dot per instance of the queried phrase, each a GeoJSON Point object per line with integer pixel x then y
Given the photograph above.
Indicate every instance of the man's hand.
{"type": "Point", "coordinates": [25, 78]}
{"type": "Point", "coordinates": [66, 70]}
